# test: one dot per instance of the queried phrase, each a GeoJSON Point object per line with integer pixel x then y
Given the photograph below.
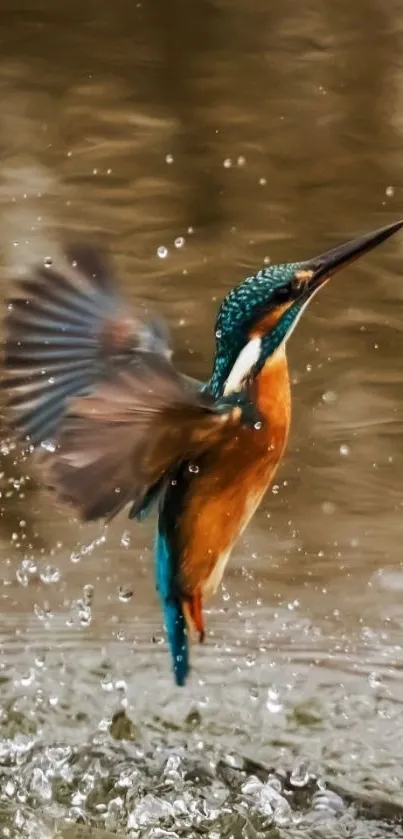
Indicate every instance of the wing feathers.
{"type": "Point", "coordinates": [125, 436]}
{"type": "Point", "coordinates": [64, 330]}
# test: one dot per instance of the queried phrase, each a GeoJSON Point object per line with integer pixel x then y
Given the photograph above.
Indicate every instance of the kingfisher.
{"type": "Point", "coordinates": [92, 392]}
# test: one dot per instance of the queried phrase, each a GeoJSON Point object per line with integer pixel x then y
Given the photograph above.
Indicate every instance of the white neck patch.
{"type": "Point", "coordinates": [250, 353]}
{"type": "Point", "coordinates": [245, 362]}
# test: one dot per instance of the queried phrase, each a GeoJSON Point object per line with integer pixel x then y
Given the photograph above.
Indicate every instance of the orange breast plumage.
{"type": "Point", "coordinates": [231, 483]}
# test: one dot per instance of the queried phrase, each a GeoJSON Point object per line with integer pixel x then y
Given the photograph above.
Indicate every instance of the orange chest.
{"type": "Point", "coordinates": [228, 490]}
{"type": "Point", "coordinates": [248, 462]}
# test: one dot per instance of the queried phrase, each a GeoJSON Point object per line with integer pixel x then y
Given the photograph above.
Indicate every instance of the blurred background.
{"type": "Point", "coordinates": [198, 141]}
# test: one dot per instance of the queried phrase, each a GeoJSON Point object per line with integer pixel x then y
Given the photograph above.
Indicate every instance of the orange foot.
{"type": "Point", "coordinates": [192, 609]}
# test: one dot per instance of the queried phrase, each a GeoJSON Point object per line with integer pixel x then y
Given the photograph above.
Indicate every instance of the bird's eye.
{"type": "Point", "coordinates": [293, 288]}
{"type": "Point", "coordinates": [286, 291]}
{"type": "Point", "coordinates": [283, 292]}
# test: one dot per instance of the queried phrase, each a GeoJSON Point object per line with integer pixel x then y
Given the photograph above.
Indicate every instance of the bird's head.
{"type": "Point", "coordinates": [258, 316]}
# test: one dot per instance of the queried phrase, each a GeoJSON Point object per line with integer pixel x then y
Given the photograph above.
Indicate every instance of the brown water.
{"type": "Point", "coordinates": [251, 131]}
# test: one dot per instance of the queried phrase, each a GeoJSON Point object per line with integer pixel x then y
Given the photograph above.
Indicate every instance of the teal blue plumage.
{"type": "Point", "coordinates": [174, 619]}
{"type": "Point", "coordinates": [93, 390]}
{"type": "Point", "coordinates": [240, 309]}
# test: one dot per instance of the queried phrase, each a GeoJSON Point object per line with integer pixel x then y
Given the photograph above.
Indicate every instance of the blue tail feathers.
{"type": "Point", "coordinates": [174, 619]}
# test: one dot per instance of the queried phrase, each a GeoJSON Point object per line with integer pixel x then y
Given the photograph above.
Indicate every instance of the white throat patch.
{"type": "Point", "coordinates": [245, 362]}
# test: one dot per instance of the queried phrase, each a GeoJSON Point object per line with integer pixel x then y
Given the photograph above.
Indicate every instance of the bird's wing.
{"type": "Point", "coordinates": [123, 438]}
{"type": "Point", "coordinates": [64, 331]}
{"type": "Point", "coordinates": [92, 386]}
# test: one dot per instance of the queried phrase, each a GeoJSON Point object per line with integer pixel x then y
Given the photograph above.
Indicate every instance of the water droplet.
{"type": "Point", "coordinates": [268, 799]}
{"type": "Point", "coordinates": [84, 614]}
{"type": "Point", "coordinates": [48, 446]}
{"type": "Point", "coordinates": [88, 594]}
{"type": "Point", "coordinates": [374, 680]}
{"type": "Point", "coordinates": [6, 448]}
{"type": "Point", "coordinates": [125, 539]}
{"type": "Point", "coordinates": [125, 594]}
{"type": "Point", "coordinates": [76, 556]}
{"type": "Point", "coordinates": [162, 252]}
{"type": "Point", "coordinates": [190, 230]}
{"type": "Point", "coordinates": [235, 761]}
{"type": "Point", "coordinates": [169, 158]}
{"type": "Point", "coordinates": [252, 786]}
{"type": "Point", "coordinates": [50, 574]}
{"type": "Point", "coordinates": [172, 769]}
{"type": "Point", "coordinates": [48, 261]}
{"type": "Point", "coordinates": [227, 163]}
{"type": "Point", "coordinates": [262, 181]}
{"type": "Point", "coordinates": [258, 425]}
{"type": "Point", "coordinates": [9, 788]}
{"type": "Point", "coordinates": [390, 191]}
{"type": "Point", "coordinates": [107, 684]}
{"type": "Point", "coordinates": [43, 613]}
{"type": "Point", "coordinates": [275, 489]}
{"type": "Point", "coordinates": [328, 507]}
{"type": "Point", "coordinates": [299, 776]}
{"type": "Point", "coordinates": [241, 160]}
{"type": "Point", "coordinates": [218, 333]}
{"type": "Point", "coordinates": [326, 800]}
{"type": "Point", "coordinates": [28, 678]}
{"type": "Point", "coordinates": [329, 397]}
{"type": "Point", "coordinates": [27, 568]}
{"type": "Point", "coordinates": [273, 702]}
{"type": "Point", "coordinates": [344, 450]}
{"type": "Point", "coordinates": [148, 811]}
{"type": "Point", "coordinates": [275, 786]}
{"type": "Point", "coordinates": [40, 785]}
{"type": "Point", "coordinates": [179, 242]}
{"type": "Point", "coordinates": [193, 468]}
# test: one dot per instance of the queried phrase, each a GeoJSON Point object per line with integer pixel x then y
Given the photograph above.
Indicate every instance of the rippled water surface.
{"type": "Point", "coordinates": [198, 141]}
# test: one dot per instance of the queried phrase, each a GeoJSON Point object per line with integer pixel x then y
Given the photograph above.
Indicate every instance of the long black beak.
{"type": "Point", "coordinates": [329, 263]}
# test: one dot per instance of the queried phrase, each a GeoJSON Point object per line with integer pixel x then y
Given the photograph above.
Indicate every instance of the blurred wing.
{"type": "Point", "coordinates": [123, 438]}
{"type": "Point", "coordinates": [64, 331]}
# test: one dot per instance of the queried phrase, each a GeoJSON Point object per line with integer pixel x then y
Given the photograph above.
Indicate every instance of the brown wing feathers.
{"type": "Point", "coordinates": [100, 386]}
{"type": "Point", "coordinates": [117, 442]}
{"type": "Point", "coordinates": [113, 446]}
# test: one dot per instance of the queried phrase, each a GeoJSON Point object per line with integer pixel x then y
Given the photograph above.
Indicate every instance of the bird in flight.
{"type": "Point", "coordinates": [92, 389]}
